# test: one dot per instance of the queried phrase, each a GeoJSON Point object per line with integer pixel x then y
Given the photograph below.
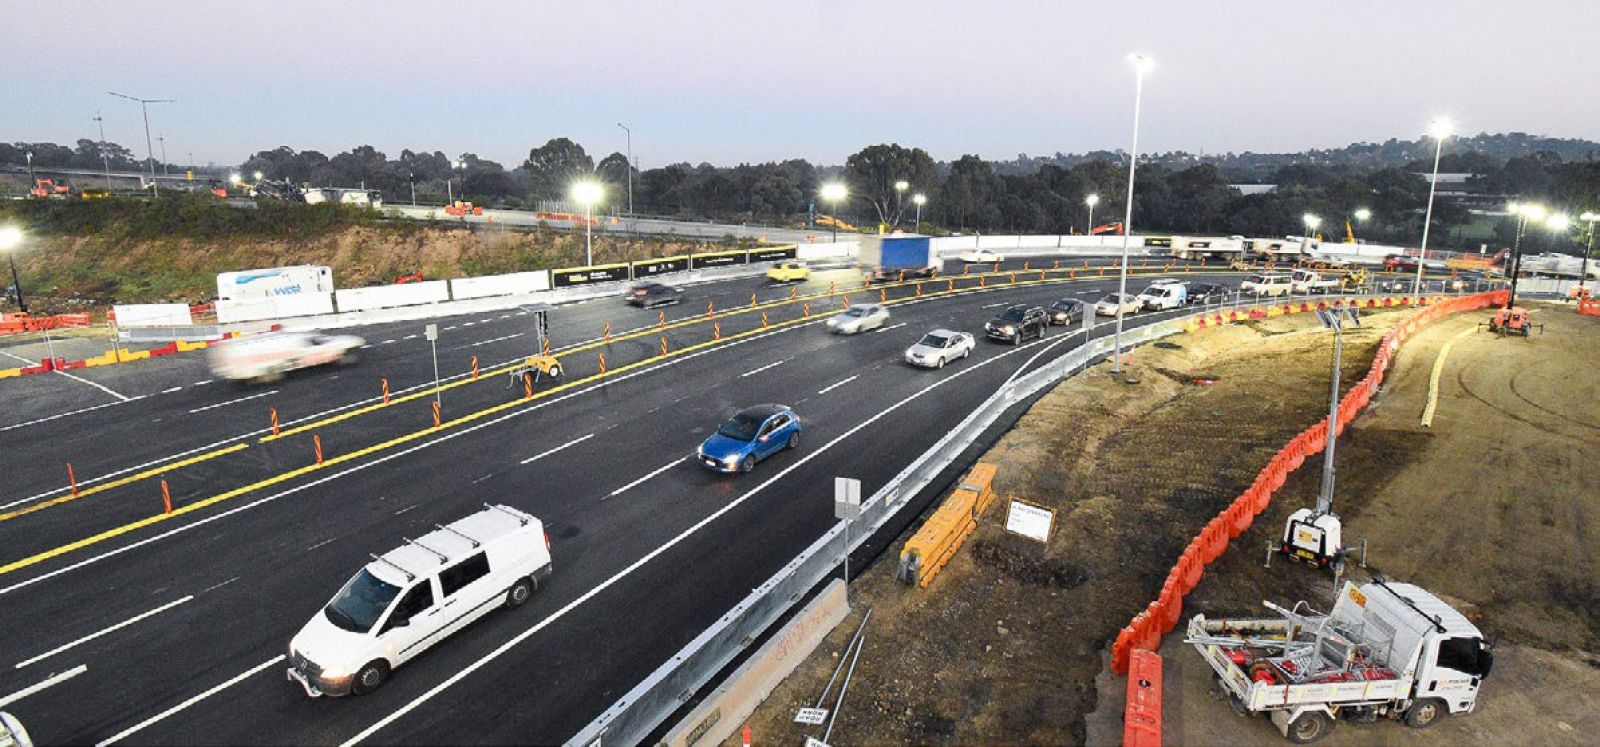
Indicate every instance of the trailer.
{"type": "Point", "coordinates": [1389, 650]}
{"type": "Point", "coordinates": [274, 281]}
{"type": "Point", "coordinates": [1210, 247]}
{"type": "Point", "coordinates": [887, 259]}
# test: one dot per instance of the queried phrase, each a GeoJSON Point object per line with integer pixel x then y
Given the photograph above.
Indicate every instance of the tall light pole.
{"type": "Point", "coordinates": [105, 160]}
{"type": "Point", "coordinates": [1440, 129]}
{"type": "Point", "coordinates": [630, 167]}
{"type": "Point", "coordinates": [919, 199]}
{"type": "Point", "coordinates": [1311, 222]}
{"type": "Point", "coordinates": [1141, 64]}
{"type": "Point", "coordinates": [411, 178]}
{"type": "Point", "coordinates": [1524, 211]}
{"type": "Point", "coordinates": [461, 166]}
{"type": "Point", "coordinates": [1583, 275]}
{"type": "Point", "coordinates": [10, 239]}
{"type": "Point", "coordinates": [588, 193]}
{"type": "Point", "coordinates": [31, 178]}
{"type": "Point", "coordinates": [149, 148]}
{"type": "Point", "coordinates": [900, 188]}
{"type": "Point", "coordinates": [1091, 201]}
{"type": "Point", "coordinates": [834, 193]}
{"type": "Point", "coordinates": [163, 140]}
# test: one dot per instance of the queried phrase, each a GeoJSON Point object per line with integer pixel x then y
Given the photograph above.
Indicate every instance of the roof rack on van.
{"type": "Point", "coordinates": [392, 564]}
{"type": "Point", "coordinates": [443, 558]}
{"type": "Point", "coordinates": [460, 534]}
{"type": "Point", "coordinates": [521, 517]}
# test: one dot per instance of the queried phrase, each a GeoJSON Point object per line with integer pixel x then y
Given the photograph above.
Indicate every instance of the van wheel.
{"type": "Point", "coordinates": [555, 371]}
{"type": "Point", "coordinates": [1424, 713]}
{"type": "Point", "coordinates": [370, 677]}
{"type": "Point", "coordinates": [520, 593]}
{"type": "Point", "coordinates": [1310, 727]}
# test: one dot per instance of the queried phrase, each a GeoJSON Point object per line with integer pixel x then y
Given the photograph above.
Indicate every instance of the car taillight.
{"type": "Point", "coordinates": [547, 540]}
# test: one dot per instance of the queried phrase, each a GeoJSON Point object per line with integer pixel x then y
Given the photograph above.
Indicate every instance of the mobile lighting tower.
{"type": "Point", "coordinates": [1315, 535]}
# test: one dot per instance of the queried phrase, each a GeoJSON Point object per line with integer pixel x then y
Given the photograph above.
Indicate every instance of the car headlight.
{"type": "Point", "coordinates": [1006, 330]}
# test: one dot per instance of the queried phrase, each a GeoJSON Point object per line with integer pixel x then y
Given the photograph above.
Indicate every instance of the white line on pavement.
{"type": "Point", "coordinates": [495, 339]}
{"type": "Point", "coordinates": [107, 631]}
{"type": "Point", "coordinates": [171, 389]}
{"type": "Point", "coordinates": [48, 418]}
{"type": "Point", "coordinates": [202, 383]}
{"type": "Point", "coordinates": [409, 337]}
{"type": "Point", "coordinates": [763, 368]}
{"type": "Point", "coordinates": [543, 454]}
{"type": "Point", "coordinates": [18, 357]}
{"type": "Point", "coordinates": [992, 305]}
{"type": "Point", "coordinates": [893, 326]}
{"type": "Point", "coordinates": [387, 342]}
{"type": "Point", "coordinates": [653, 473]}
{"type": "Point", "coordinates": [136, 728]}
{"type": "Point", "coordinates": [48, 682]}
{"type": "Point", "coordinates": [838, 384]}
{"type": "Point", "coordinates": [101, 387]}
{"type": "Point", "coordinates": [233, 401]}
{"type": "Point", "coordinates": [320, 544]}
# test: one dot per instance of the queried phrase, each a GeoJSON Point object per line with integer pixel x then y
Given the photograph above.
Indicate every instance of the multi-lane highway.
{"type": "Point", "coordinates": [179, 622]}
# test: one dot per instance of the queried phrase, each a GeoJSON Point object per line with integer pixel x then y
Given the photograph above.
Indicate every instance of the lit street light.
{"type": "Point", "coordinates": [1525, 211]}
{"type": "Point", "coordinates": [834, 194]}
{"type": "Point", "coordinates": [1311, 222]}
{"type": "Point", "coordinates": [1440, 130]}
{"type": "Point", "coordinates": [10, 239]}
{"type": "Point", "coordinates": [900, 188]}
{"type": "Point", "coordinates": [1363, 215]}
{"type": "Point", "coordinates": [919, 199]}
{"type": "Point", "coordinates": [150, 151]}
{"type": "Point", "coordinates": [1141, 64]}
{"type": "Point", "coordinates": [1091, 201]}
{"type": "Point", "coordinates": [588, 193]}
{"type": "Point", "coordinates": [259, 176]}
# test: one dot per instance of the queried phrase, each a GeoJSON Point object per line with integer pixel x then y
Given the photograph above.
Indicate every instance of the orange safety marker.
{"type": "Point", "coordinates": [607, 333]}
{"type": "Point", "coordinates": [711, 311]}
{"type": "Point", "coordinates": [902, 277]}
{"type": "Point", "coordinates": [316, 443]}
{"type": "Point", "coordinates": [474, 368]}
{"type": "Point", "coordinates": [274, 412]}
{"type": "Point", "coordinates": [883, 295]}
{"type": "Point", "coordinates": [966, 269]}
{"type": "Point", "coordinates": [753, 298]}
{"type": "Point", "coordinates": [950, 285]}
{"type": "Point", "coordinates": [805, 310]}
{"type": "Point", "coordinates": [1041, 275]}
{"type": "Point", "coordinates": [794, 293]}
{"type": "Point", "coordinates": [1025, 264]}
{"type": "Point", "coordinates": [763, 319]}
{"type": "Point", "coordinates": [716, 330]}
{"type": "Point", "coordinates": [663, 344]}
{"type": "Point", "coordinates": [1086, 264]}
{"type": "Point", "coordinates": [436, 420]}
{"type": "Point", "coordinates": [386, 391]}
{"type": "Point", "coordinates": [1013, 277]}
{"type": "Point", "coordinates": [72, 480]}
{"type": "Point", "coordinates": [919, 290]}
{"type": "Point", "coordinates": [1056, 266]}
{"type": "Point", "coordinates": [602, 364]}
{"type": "Point", "coordinates": [983, 281]}
{"type": "Point", "coordinates": [166, 498]}
{"type": "Point", "coordinates": [527, 386]}
{"type": "Point", "coordinates": [830, 287]}
{"type": "Point", "coordinates": [744, 738]}
{"type": "Point", "coordinates": [661, 319]}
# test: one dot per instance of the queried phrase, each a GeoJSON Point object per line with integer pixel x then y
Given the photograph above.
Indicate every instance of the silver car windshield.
{"type": "Point", "coordinates": [361, 602]}
{"type": "Point", "coordinates": [855, 311]}
{"type": "Point", "coordinates": [934, 341]}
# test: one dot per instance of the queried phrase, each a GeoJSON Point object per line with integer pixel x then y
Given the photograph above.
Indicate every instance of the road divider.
{"type": "Point", "coordinates": [933, 545]}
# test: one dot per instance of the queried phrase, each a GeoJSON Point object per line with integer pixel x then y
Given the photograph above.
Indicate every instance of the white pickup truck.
{"type": "Point", "coordinates": [1305, 282]}
{"type": "Point", "coordinates": [1388, 649]}
{"type": "Point", "coordinates": [267, 357]}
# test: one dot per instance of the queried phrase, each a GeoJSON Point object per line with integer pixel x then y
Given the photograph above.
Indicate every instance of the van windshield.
{"type": "Point", "coordinates": [361, 602]}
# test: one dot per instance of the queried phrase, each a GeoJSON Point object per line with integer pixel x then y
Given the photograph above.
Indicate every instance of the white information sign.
{"type": "Point", "coordinates": [1028, 520]}
{"type": "Point", "coordinates": [813, 716]}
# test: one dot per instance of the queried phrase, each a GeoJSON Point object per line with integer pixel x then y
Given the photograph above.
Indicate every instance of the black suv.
{"type": "Point", "coordinates": [653, 294]}
{"type": "Point", "coordinates": [1017, 322]}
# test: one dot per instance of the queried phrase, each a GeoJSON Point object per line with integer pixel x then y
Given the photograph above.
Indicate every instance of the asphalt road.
{"type": "Point", "coordinates": [180, 619]}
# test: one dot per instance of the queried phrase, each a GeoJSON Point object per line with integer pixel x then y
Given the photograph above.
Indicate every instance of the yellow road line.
{"type": "Point", "coordinates": [1433, 378]}
{"type": "Point", "coordinates": [102, 487]}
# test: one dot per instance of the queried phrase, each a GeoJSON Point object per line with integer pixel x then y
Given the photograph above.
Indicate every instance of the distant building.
{"type": "Point", "coordinates": [1254, 189]}
{"type": "Point", "coordinates": [1451, 184]}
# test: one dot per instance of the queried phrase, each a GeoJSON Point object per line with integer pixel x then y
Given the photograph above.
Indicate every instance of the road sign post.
{"type": "Point", "coordinates": [846, 507]}
{"type": "Point", "coordinates": [432, 333]}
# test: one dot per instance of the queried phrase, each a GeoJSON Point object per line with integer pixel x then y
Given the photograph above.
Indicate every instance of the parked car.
{"type": "Point", "coordinates": [416, 595]}
{"type": "Point", "coordinates": [940, 347]}
{"type": "Point", "coordinates": [859, 318]}
{"type": "Point", "coordinates": [1205, 293]}
{"type": "Point", "coordinates": [751, 435]}
{"type": "Point", "coordinates": [267, 357]}
{"type": "Point", "coordinates": [1017, 322]}
{"type": "Point", "coordinates": [1110, 302]}
{"type": "Point", "coordinates": [1065, 311]}
{"type": "Point", "coordinates": [1266, 284]}
{"type": "Point", "coordinates": [791, 271]}
{"type": "Point", "coordinates": [983, 256]}
{"type": "Point", "coordinates": [647, 295]}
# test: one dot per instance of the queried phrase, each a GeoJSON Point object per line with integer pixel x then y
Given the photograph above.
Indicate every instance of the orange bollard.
{"type": "Point", "coordinates": [919, 290]}
{"type": "Point", "coordinates": [950, 286]}
{"type": "Point", "coordinates": [805, 310]}
{"type": "Point", "coordinates": [763, 319]}
{"type": "Point", "coordinates": [716, 330]}
{"type": "Point", "coordinates": [72, 480]}
{"type": "Point", "coordinates": [316, 443]}
{"type": "Point", "coordinates": [1041, 276]}
{"type": "Point", "coordinates": [711, 311]}
{"type": "Point", "coordinates": [546, 348]}
{"type": "Point", "coordinates": [753, 301]}
{"type": "Point", "coordinates": [844, 300]}
{"type": "Point", "coordinates": [830, 287]}
{"type": "Point", "coordinates": [793, 293]}
{"type": "Point", "coordinates": [527, 386]}
{"type": "Point", "coordinates": [436, 420]}
{"type": "Point", "coordinates": [602, 364]}
{"type": "Point", "coordinates": [607, 333]}
{"type": "Point", "coordinates": [1056, 266]}
{"type": "Point", "coordinates": [1086, 264]}
{"type": "Point", "coordinates": [883, 295]}
{"type": "Point", "coordinates": [661, 320]}
{"type": "Point", "coordinates": [386, 391]}
{"type": "Point", "coordinates": [1013, 278]}
{"type": "Point", "coordinates": [663, 344]}
{"type": "Point", "coordinates": [983, 281]}
{"type": "Point", "coordinates": [744, 737]}
{"type": "Point", "coordinates": [166, 498]}
{"type": "Point", "coordinates": [902, 278]}
{"type": "Point", "coordinates": [966, 269]}
{"type": "Point", "coordinates": [1025, 263]}
{"type": "Point", "coordinates": [474, 368]}
{"type": "Point", "coordinates": [274, 412]}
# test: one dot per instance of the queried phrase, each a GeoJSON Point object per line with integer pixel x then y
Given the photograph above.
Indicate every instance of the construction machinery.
{"type": "Point", "coordinates": [1511, 321]}
{"type": "Point", "coordinates": [1356, 280]}
{"type": "Point", "coordinates": [44, 187]}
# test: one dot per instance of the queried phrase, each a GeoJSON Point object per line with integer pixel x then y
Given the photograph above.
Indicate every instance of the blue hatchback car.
{"type": "Point", "coordinates": [752, 435]}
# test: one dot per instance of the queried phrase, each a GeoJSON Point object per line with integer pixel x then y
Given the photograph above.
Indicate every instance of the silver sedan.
{"type": "Point", "coordinates": [859, 318]}
{"type": "Point", "coordinates": [940, 347]}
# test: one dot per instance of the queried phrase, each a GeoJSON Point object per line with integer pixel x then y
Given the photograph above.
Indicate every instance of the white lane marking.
{"type": "Point", "coordinates": [320, 544]}
{"type": "Point", "coordinates": [214, 587]}
{"type": "Point", "coordinates": [136, 728]}
{"type": "Point", "coordinates": [893, 326]}
{"type": "Point", "coordinates": [409, 337]}
{"type": "Point", "coordinates": [543, 454]}
{"type": "Point", "coordinates": [387, 342]}
{"type": "Point", "coordinates": [171, 389]}
{"type": "Point", "coordinates": [107, 631]}
{"type": "Point", "coordinates": [495, 339]}
{"type": "Point", "coordinates": [753, 372]}
{"type": "Point", "coordinates": [653, 554]}
{"type": "Point", "coordinates": [18, 357]}
{"type": "Point", "coordinates": [838, 384]}
{"type": "Point", "coordinates": [49, 418]}
{"type": "Point", "coordinates": [101, 387]}
{"type": "Point", "coordinates": [407, 508]}
{"type": "Point", "coordinates": [653, 473]}
{"type": "Point", "coordinates": [465, 324]}
{"type": "Point", "coordinates": [992, 305]}
{"type": "Point", "coordinates": [202, 383]}
{"type": "Point", "coordinates": [447, 329]}
{"type": "Point", "coordinates": [48, 682]}
{"type": "Point", "coordinates": [233, 401]}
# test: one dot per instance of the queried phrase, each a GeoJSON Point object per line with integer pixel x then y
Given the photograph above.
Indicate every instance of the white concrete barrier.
{"type": "Point", "coordinates": [274, 307]}
{"type": "Point", "coordinates": [500, 285]}
{"type": "Point", "coordinates": [152, 314]}
{"type": "Point", "coordinates": [389, 296]}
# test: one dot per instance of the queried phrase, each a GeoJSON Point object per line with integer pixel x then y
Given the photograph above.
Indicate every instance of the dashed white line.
{"type": "Point", "coordinates": [992, 305]}
{"type": "Point", "coordinates": [107, 631]}
{"type": "Point", "coordinates": [409, 337]}
{"type": "Point", "coordinates": [233, 402]}
{"type": "Point", "coordinates": [494, 339]}
{"type": "Point", "coordinates": [640, 481]}
{"type": "Point", "coordinates": [202, 383]}
{"type": "Point", "coordinates": [543, 454]}
{"type": "Point", "coordinates": [837, 384]}
{"type": "Point", "coordinates": [214, 587]}
{"type": "Point", "coordinates": [48, 682]}
{"type": "Point", "coordinates": [763, 368]}
{"type": "Point", "coordinates": [48, 418]}
{"type": "Point", "coordinates": [464, 324]}
{"type": "Point", "coordinates": [136, 728]}
{"type": "Point", "coordinates": [171, 389]}
{"type": "Point", "coordinates": [387, 342]}
{"type": "Point", "coordinates": [407, 508]}
{"type": "Point", "coordinates": [320, 544]}
{"type": "Point", "coordinates": [893, 326]}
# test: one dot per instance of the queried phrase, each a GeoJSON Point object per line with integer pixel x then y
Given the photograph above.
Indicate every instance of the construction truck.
{"type": "Point", "coordinates": [1387, 650]}
{"type": "Point", "coordinates": [1511, 321]}
{"type": "Point", "coordinates": [1305, 282]}
{"type": "Point", "coordinates": [46, 188]}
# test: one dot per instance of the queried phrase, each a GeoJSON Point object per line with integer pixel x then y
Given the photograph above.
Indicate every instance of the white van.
{"type": "Point", "coordinates": [417, 595]}
{"type": "Point", "coordinates": [1266, 284]}
{"type": "Point", "coordinates": [1164, 294]}
{"type": "Point", "coordinates": [266, 357]}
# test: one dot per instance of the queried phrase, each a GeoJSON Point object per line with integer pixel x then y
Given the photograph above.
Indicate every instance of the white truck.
{"type": "Point", "coordinates": [1390, 650]}
{"type": "Point", "coordinates": [1208, 247]}
{"type": "Point", "coordinates": [274, 281]}
{"type": "Point", "coordinates": [1164, 293]}
{"type": "Point", "coordinates": [1304, 282]}
{"type": "Point", "coordinates": [265, 358]}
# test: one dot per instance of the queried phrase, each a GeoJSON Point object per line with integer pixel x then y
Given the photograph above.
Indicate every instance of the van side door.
{"type": "Point", "coordinates": [412, 621]}
{"type": "Point", "coordinates": [468, 590]}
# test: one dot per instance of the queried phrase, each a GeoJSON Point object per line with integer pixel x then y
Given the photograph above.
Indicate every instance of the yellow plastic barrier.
{"type": "Point", "coordinates": [184, 347]}
{"type": "Point", "coordinates": [927, 552]}
{"type": "Point", "coordinates": [109, 358]}
{"type": "Point", "coordinates": [6, 373]}
{"type": "Point", "coordinates": [123, 356]}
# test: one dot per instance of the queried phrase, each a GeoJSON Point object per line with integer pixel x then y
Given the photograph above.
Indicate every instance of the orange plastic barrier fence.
{"type": "Point", "coordinates": [1590, 307]}
{"type": "Point", "coordinates": [1144, 631]}
{"type": "Point", "coordinates": [1141, 715]}
{"type": "Point", "coordinates": [927, 552]}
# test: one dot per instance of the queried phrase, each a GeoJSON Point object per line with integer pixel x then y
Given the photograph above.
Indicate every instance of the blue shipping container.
{"type": "Point", "coordinates": [911, 252]}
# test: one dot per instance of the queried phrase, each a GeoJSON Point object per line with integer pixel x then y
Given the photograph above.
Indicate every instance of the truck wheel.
{"type": "Point", "coordinates": [519, 594]}
{"type": "Point", "coordinates": [1424, 713]}
{"type": "Point", "coordinates": [370, 677]}
{"type": "Point", "coordinates": [1310, 727]}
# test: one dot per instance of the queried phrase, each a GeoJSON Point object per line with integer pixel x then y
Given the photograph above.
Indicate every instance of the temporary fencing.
{"type": "Point", "coordinates": [1145, 630]}
{"type": "Point", "coordinates": [942, 534]}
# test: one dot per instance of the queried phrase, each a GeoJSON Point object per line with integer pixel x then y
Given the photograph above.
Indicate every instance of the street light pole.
{"type": "Point", "coordinates": [1440, 130]}
{"type": "Point", "coordinates": [1523, 213]}
{"type": "Point", "coordinates": [105, 160]}
{"type": "Point", "coordinates": [630, 167]}
{"type": "Point", "coordinates": [1583, 275]}
{"type": "Point", "coordinates": [834, 193]}
{"type": "Point", "coordinates": [1091, 201]}
{"type": "Point", "coordinates": [149, 148]}
{"type": "Point", "coordinates": [1140, 65]}
{"type": "Point", "coordinates": [919, 198]}
{"type": "Point", "coordinates": [32, 180]}
{"type": "Point", "coordinates": [163, 140]}
{"type": "Point", "coordinates": [10, 239]}
{"type": "Point", "coordinates": [588, 193]}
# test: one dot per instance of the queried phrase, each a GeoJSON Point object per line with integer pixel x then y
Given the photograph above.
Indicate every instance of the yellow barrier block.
{"type": "Point", "coordinates": [932, 547]}
{"type": "Point", "coordinates": [109, 358]}
{"type": "Point", "coordinates": [123, 356]}
{"type": "Point", "coordinates": [6, 373]}
{"type": "Point", "coordinates": [184, 346]}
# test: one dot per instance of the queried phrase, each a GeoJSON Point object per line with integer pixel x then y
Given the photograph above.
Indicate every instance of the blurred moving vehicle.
{"type": "Point", "coordinates": [416, 595]}
{"type": "Point", "coordinates": [267, 357]}
{"type": "Point", "coordinates": [11, 732]}
{"type": "Point", "coordinates": [1017, 322]}
{"type": "Point", "coordinates": [980, 256]}
{"type": "Point", "coordinates": [1065, 311]}
{"type": "Point", "coordinates": [1204, 293]}
{"type": "Point", "coordinates": [1111, 302]}
{"type": "Point", "coordinates": [647, 295]}
{"type": "Point", "coordinates": [859, 318]}
{"type": "Point", "coordinates": [893, 259]}
{"type": "Point", "coordinates": [791, 271]}
{"type": "Point", "coordinates": [940, 347]}
{"type": "Point", "coordinates": [751, 435]}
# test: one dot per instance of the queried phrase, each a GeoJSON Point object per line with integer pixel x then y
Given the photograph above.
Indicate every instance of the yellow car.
{"type": "Point", "coordinates": [789, 272]}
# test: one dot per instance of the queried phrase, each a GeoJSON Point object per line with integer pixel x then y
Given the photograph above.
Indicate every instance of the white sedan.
{"type": "Point", "coordinates": [940, 347]}
{"type": "Point", "coordinates": [980, 256]}
{"type": "Point", "coordinates": [859, 318]}
{"type": "Point", "coordinates": [1108, 305]}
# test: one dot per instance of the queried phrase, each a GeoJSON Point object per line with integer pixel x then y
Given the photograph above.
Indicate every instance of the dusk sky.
{"type": "Point", "coordinates": [727, 82]}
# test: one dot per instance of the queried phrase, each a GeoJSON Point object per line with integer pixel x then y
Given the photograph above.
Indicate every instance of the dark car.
{"type": "Point", "coordinates": [1066, 311]}
{"type": "Point", "coordinates": [653, 294]}
{"type": "Point", "coordinates": [1205, 293]}
{"type": "Point", "coordinates": [1017, 322]}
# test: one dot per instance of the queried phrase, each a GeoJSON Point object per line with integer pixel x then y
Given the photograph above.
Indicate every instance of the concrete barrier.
{"type": "Point", "coordinates": [388, 296]}
{"type": "Point", "coordinates": [273, 307]}
{"type": "Point", "coordinates": [151, 314]}
{"type": "Point", "coordinates": [499, 285]}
